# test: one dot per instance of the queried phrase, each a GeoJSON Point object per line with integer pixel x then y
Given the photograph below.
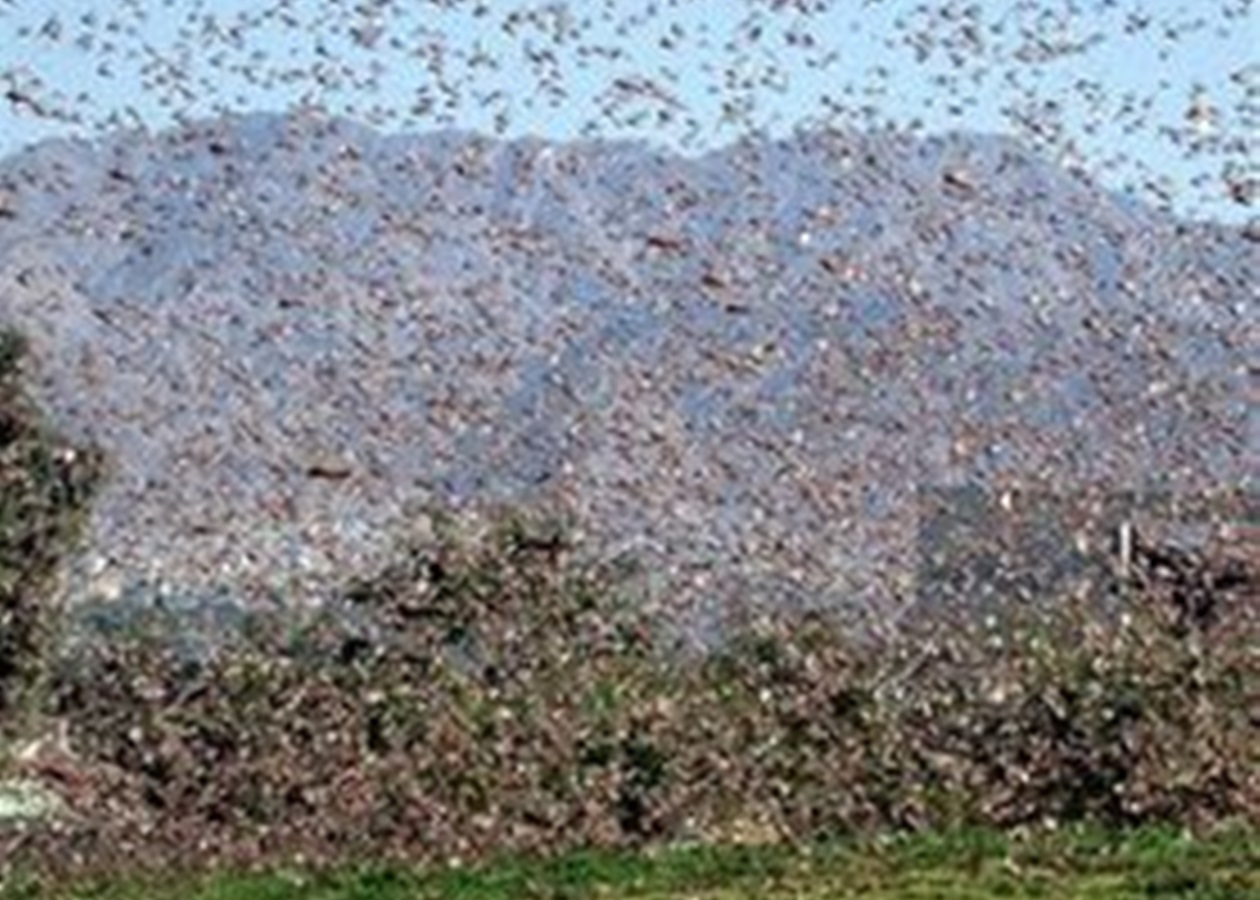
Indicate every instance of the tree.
{"type": "Point", "coordinates": [45, 487]}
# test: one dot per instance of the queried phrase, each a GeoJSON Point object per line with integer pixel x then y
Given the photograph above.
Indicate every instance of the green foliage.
{"type": "Point", "coordinates": [511, 703]}
{"type": "Point", "coordinates": [45, 486]}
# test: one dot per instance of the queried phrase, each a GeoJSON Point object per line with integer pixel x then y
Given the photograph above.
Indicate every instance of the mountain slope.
{"type": "Point", "coordinates": [289, 330]}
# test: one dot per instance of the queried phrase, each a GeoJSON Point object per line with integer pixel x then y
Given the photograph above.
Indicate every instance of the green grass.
{"type": "Point", "coordinates": [1081, 863]}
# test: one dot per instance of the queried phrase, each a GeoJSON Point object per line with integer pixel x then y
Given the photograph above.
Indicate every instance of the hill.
{"type": "Point", "coordinates": [292, 333]}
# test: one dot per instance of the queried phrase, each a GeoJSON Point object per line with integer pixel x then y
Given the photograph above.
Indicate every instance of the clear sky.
{"type": "Point", "coordinates": [1159, 98]}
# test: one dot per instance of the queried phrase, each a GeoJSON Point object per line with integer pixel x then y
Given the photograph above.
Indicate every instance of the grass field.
{"type": "Point", "coordinates": [1082, 863]}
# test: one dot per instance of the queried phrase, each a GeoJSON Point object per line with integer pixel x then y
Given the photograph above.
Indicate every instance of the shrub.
{"type": "Point", "coordinates": [45, 486]}
{"type": "Point", "coordinates": [511, 703]}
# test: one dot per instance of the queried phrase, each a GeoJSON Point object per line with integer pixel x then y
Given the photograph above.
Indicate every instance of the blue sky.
{"type": "Point", "coordinates": [1159, 98]}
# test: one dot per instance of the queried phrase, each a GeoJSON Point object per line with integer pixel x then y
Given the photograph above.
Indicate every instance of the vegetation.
{"type": "Point", "coordinates": [511, 703]}
{"type": "Point", "coordinates": [521, 709]}
{"type": "Point", "coordinates": [45, 486]}
{"type": "Point", "coordinates": [1080, 863]}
